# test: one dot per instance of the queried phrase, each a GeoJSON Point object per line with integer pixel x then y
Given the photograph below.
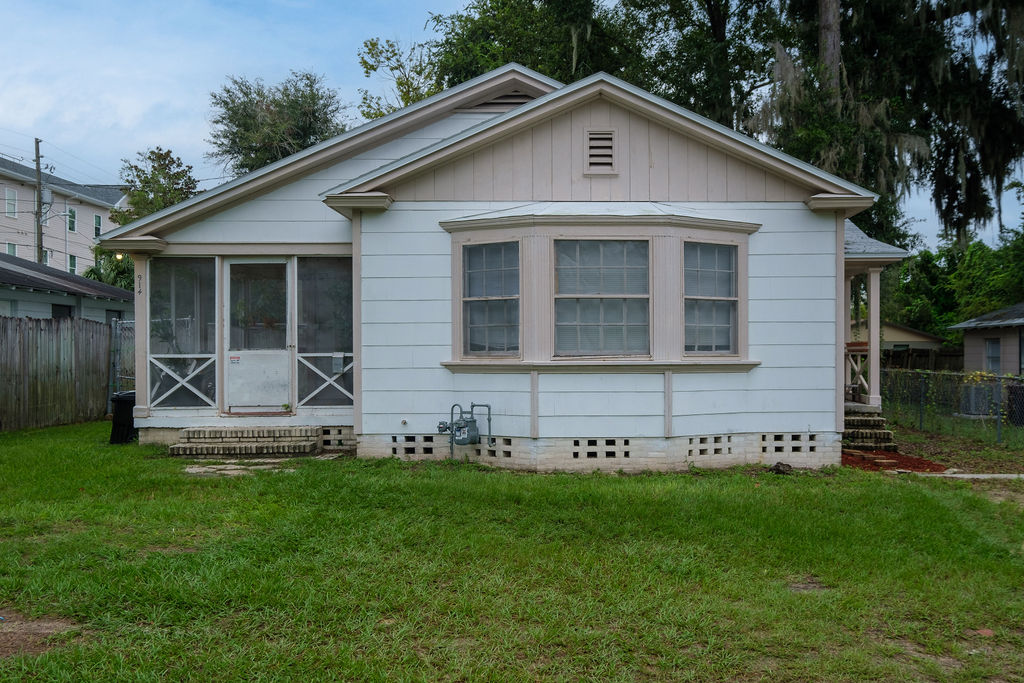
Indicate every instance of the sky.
{"type": "Point", "coordinates": [100, 80]}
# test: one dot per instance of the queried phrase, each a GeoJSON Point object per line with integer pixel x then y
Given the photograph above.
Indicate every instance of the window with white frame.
{"type": "Point", "coordinates": [72, 264]}
{"type": "Point", "coordinates": [602, 304]}
{"type": "Point", "coordinates": [490, 301]}
{"type": "Point", "coordinates": [72, 220]}
{"type": "Point", "coordinates": [11, 202]}
{"type": "Point", "coordinates": [710, 297]}
{"type": "Point", "coordinates": [97, 224]}
{"type": "Point", "coordinates": [12, 249]}
{"type": "Point", "coordinates": [992, 355]}
{"type": "Point", "coordinates": [46, 257]}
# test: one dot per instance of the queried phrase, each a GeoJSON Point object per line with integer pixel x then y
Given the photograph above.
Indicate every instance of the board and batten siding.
{"type": "Point", "coordinates": [546, 163]}
{"type": "Point", "coordinates": [406, 330]}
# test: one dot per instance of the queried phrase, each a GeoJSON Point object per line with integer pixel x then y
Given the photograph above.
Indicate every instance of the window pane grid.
{"type": "Point", "coordinates": [710, 297]}
{"type": "Point", "coordinates": [490, 306]}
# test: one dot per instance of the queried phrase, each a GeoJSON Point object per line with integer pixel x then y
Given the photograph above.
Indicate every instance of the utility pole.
{"type": "Point", "coordinates": [39, 207]}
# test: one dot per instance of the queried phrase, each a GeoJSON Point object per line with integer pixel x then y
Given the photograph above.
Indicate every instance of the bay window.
{"type": "Point", "coordinates": [577, 290]}
{"type": "Point", "coordinates": [490, 302]}
{"type": "Point", "coordinates": [601, 297]}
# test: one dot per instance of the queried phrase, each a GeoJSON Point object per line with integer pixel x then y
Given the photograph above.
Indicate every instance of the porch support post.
{"type": "Point", "coordinates": [847, 330]}
{"type": "Point", "coordinates": [874, 339]}
{"type": "Point", "coordinates": [141, 334]}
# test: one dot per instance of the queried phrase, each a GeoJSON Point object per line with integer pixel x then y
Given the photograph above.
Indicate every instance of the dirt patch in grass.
{"type": "Point", "coordinates": [877, 461]}
{"type": "Point", "coordinates": [807, 584]}
{"type": "Point", "coordinates": [959, 452]}
{"type": "Point", "coordinates": [20, 635]}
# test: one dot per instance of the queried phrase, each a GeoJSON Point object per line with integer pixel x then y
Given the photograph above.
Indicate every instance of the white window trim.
{"type": "Point", "coordinates": [10, 196]}
{"type": "Point", "coordinates": [458, 271]}
{"type": "Point", "coordinates": [72, 264]}
{"type": "Point", "coordinates": [12, 249]}
{"type": "Point", "coordinates": [97, 224]}
{"type": "Point", "coordinates": [536, 304]}
{"type": "Point", "coordinates": [72, 219]}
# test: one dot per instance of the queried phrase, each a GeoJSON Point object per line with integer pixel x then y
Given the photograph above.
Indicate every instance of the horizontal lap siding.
{"type": "Point", "coordinates": [406, 332]}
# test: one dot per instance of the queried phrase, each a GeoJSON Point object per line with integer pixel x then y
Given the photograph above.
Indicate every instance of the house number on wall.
{"type": "Point", "coordinates": [139, 290]}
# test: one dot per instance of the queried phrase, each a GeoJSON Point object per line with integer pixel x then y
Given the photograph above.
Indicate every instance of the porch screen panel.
{"type": "Point", "coordinates": [182, 332]}
{"type": "Point", "coordinates": [325, 359]}
{"type": "Point", "coordinates": [259, 306]}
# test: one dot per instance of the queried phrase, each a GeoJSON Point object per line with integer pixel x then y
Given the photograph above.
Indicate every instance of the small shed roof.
{"type": "Point", "coordinates": [857, 245]}
{"type": "Point", "coordinates": [18, 273]}
{"type": "Point", "coordinates": [1011, 316]}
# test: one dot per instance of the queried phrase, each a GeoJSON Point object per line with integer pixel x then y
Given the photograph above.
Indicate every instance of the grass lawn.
{"type": "Point", "coordinates": [353, 569]}
{"type": "Point", "coordinates": [970, 454]}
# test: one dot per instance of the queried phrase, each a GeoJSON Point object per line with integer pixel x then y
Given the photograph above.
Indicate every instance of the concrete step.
{"type": "Point", "coordinates": [247, 449]}
{"type": "Point", "coordinates": [252, 434]}
{"type": "Point", "coordinates": [863, 422]}
{"type": "Point", "coordinates": [870, 446]}
{"type": "Point", "coordinates": [867, 435]}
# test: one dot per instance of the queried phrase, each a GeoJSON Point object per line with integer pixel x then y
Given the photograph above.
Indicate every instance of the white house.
{"type": "Point", "coordinates": [627, 284]}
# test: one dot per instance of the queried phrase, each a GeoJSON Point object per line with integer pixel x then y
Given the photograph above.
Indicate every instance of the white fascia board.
{"type": "Point", "coordinates": [212, 194]}
{"type": "Point", "coordinates": [633, 90]}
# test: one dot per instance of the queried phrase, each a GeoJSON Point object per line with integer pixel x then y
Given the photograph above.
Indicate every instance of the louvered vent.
{"type": "Point", "coordinates": [600, 151]}
{"type": "Point", "coordinates": [504, 102]}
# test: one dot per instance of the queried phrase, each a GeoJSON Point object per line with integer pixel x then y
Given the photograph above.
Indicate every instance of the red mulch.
{"type": "Point", "coordinates": [866, 460]}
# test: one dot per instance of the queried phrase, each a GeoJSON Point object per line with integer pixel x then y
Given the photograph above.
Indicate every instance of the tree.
{"type": "Point", "coordinates": [158, 180]}
{"type": "Point", "coordinates": [711, 56]}
{"type": "Point", "coordinates": [255, 124]}
{"type": "Point", "coordinates": [411, 72]}
{"type": "Point", "coordinates": [565, 40]}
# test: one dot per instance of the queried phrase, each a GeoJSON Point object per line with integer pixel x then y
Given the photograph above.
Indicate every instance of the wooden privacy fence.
{"type": "Point", "coordinates": [52, 371]}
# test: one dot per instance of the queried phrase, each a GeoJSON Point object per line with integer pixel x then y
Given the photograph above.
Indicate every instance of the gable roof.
{"type": "Point", "coordinates": [624, 94]}
{"type": "Point", "coordinates": [481, 90]}
{"type": "Point", "coordinates": [1011, 316]}
{"type": "Point", "coordinates": [18, 273]}
{"type": "Point", "coordinates": [103, 195]}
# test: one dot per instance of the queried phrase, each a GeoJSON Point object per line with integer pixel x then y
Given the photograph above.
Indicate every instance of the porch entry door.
{"type": "Point", "coordinates": [260, 347]}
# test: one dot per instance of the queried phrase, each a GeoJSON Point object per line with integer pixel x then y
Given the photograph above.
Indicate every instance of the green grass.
{"type": "Point", "coordinates": [940, 423]}
{"type": "Point", "coordinates": [384, 570]}
{"type": "Point", "coordinates": [966, 453]}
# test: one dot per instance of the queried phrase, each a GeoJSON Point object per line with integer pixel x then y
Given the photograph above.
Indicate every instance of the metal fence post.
{"type": "Point", "coordinates": [999, 410]}
{"type": "Point", "coordinates": [920, 404]}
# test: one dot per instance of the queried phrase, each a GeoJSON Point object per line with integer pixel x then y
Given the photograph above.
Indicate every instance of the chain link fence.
{"type": "Point", "coordinates": [977, 405]}
{"type": "Point", "coordinates": [122, 357]}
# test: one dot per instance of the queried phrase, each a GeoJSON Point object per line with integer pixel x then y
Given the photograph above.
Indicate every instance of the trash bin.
{"type": "Point", "coordinates": [122, 428]}
{"type": "Point", "coordinates": [1015, 404]}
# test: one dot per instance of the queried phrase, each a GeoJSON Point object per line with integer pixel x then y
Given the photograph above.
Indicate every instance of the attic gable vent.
{"type": "Point", "coordinates": [600, 151]}
{"type": "Point", "coordinates": [503, 102]}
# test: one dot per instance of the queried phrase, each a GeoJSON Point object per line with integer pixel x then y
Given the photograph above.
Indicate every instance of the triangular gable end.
{"type": "Point", "coordinates": [598, 151]}
{"type": "Point", "coordinates": [647, 129]}
{"type": "Point", "coordinates": [499, 89]}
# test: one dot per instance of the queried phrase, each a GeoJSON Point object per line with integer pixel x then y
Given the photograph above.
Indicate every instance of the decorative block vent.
{"type": "Point", "coordinates": [336, 438]}
{"type": "Point", "coordinates": [600, 448]}
{"type": "Point", "coordinates": [415, 444]}
{"type": "Point", "coordinates": [789, 443]}
{"type": "Point", "coordinates": [600, 151]}
{"type": "Point", "coordinates": [503, 447]}
{"type": "Point", "coordinates": [720, 444]}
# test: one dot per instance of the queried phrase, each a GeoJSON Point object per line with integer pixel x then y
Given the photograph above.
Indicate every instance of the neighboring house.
{"type": "Point", "coordinates": [29, 290]}
{"type": "Point", "coordinates": [898, 337]}
{"type": "Point", "coordinates": [77, 215]}
{"type": "Point", "coordinates": [627, 284]}
{"type": "Point", "coordinates": [994, 342]}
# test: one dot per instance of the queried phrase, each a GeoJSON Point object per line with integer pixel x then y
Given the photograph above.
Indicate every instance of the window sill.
{"type": "Point", "coordinates": [582, 365]}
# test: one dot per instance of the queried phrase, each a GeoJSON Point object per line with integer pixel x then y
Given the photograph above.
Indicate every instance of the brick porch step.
{"type": "Point", "coordinates": [870, 446]}
{"type": "Point", "coordinates": [249, 449]}
{"type": "Point", "coordinates": [863, 422]}
{"type": "Point", "coordinates": [254, 434]}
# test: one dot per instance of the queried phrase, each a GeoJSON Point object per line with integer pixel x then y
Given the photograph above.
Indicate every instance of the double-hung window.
{"type": "Point", "coordinates": [72, 220]}
{"type": "Point", "coordinates": [72, 264]}
{"type": "Point", "coordinates": [710, 298]}
{"type": "Point", "coordinates": [97, 224]}
{"type": "Point", "coordinates": [602, 297]}
{"type": "Point", "coordinates": [11, 201]}
{"type": "Point", "coordinates": [490, 301]}
{"type": "Point", "coordinates": [992, 355]}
